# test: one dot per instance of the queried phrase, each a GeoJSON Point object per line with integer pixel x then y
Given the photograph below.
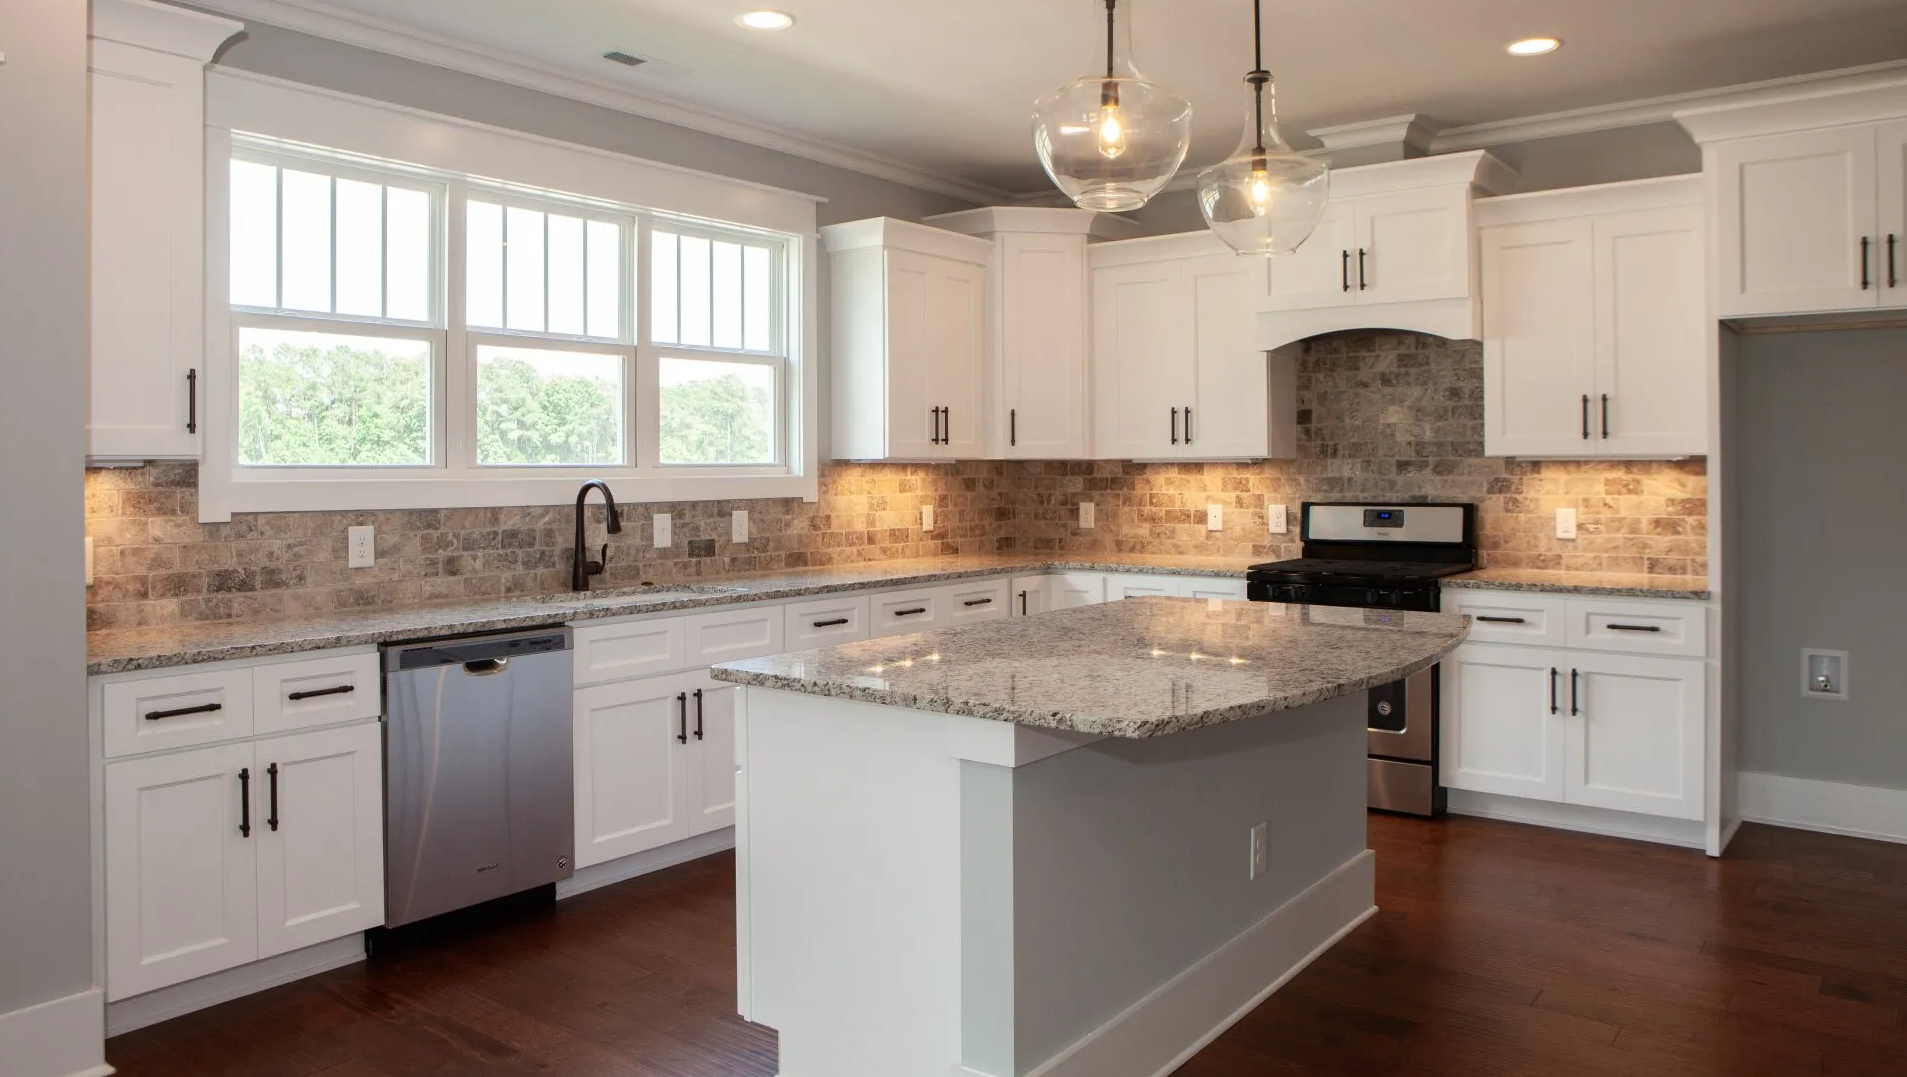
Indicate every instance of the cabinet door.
{"type": "Point", "coordinates": [1891, 262]}
{"type": "Point", "coordinates": [1415, 245]}
{"type": "Point", "coordinates": [181, 877]}
{"type": "Point", "coordinates": [632, 771]}
{"type": "Point", "coordinates": [956, 320]}
{"type": "Point", "coordinates": [1791, 212]}
{"type": "Point", "coordinates": [1502, 726]}
{"type": "Point", "coordinates": [1652, 327]}
{"type": "Point", "coordinates": [712, 753]}
{"type": "Point", "coordinates": [1321, 272]}
{"type": "Point", "coordinates": [1212, 587]}
{"type": "Point", "coordinates": [1636, 739]}
{"type": "Point", "coordinates": [321, 845]}
{"type": "Point", "coordinates": [148, 242]}
{"type": "Point", "coordinates": [1042, 339]}
{"type": "Point", "coordinates": [1070, 589]}
{"type": "Point", "coordinates": [1141, 359]}
{"type": "Point", "coordinates": [913, 307]}
{"type": "Point", "coordinates": [1230, 390]}
{"type": "Point", "coordinates": [1032, 594]}
{"type": "Point", "coordinates": [1140, 585]}
{"type": "Point", "coordinates": [1538, 338]}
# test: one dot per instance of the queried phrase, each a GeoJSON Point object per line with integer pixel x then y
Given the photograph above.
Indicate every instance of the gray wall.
{"type": "Point", "coordinates": [1817, 551]}
{"type": "Point", "coordinates": [45, 909]}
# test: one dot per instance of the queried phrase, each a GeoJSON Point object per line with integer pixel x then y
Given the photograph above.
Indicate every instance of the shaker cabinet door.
{"type": "Point", "coordinates": [1792, 211]}
{"type": "Point", "coordinates": [1502, 716]}
{"type": "Point", "coordinates": [1538, 338]}
{"type": "Point", "coordinates": [321, 842]}
{"type": "Point", "coordinates": [632, 770]}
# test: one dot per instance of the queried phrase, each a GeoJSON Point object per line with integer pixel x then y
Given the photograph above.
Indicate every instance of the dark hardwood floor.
{"type": "Point", "coordinates": [1498, 950]}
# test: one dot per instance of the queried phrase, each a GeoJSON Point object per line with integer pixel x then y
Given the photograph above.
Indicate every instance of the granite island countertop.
{"type": "Point", "coordinates": [1139, 668]}
{"type": "Point", "coordinates": [125, 650]}
{"type": "Point", "coordinates": [1611, 584]}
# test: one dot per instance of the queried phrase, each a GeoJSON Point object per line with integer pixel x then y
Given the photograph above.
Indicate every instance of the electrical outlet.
{"type": "Point", "coordinates": [1214, 517]}
{"type": "Point", "coordinates": [1260, 849]}
{"type": "Point", "coordinates": [361, 541]}
{"type": "Point", "coordinates": [926, 517]}
{"type": "Point", "coordinates": [1565, 523]}
{"type": "Point", "coordinates": [1276, 521]}
{"type": "Point", "coordinates": [89, 560]}
{"type": "Point", "coordinates": [1086, 515]}
{"type": "Point", "coordinates": [738, 525]}
{"type": "Point", "coordinates": [664, 526]}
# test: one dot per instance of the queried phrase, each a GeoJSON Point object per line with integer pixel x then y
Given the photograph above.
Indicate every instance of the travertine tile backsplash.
{"type": "Point", "coordinates": [1382, 416]}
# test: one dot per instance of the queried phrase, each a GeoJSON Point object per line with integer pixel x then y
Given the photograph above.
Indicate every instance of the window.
{"type": "Point", "coordinates": [392, 321]}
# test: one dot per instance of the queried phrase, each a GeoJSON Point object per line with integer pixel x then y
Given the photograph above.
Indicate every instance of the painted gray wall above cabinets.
{"type": "Point", "coordinates": [1816, 551]}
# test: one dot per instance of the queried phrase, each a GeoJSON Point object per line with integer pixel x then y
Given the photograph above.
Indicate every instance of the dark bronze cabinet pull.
{"type": "Point", "coordinates": [933, 417]}
{"type": "Point", "coordinates": [1022, 603]}
{"type": "Point", "coordinates": [1188, 426]}
{"type": "Point", "coordinates": [1605, 416]}
{"type": "Point", "coordinates": [340, 690]}
{"type": "Point", "coordinates": [915, 612]}
{"type": "Point", "coordinates": [1013, 426]}
{"type": "Point", "coordinates": [1575, 687]}
{"type": "Point", "coordinates": [978, 602]}
{"type": "Point", "coordinates": [192, 401]}
{"type": "Point", "coordinates": [1346, 266]}
{"type": "Point", "coordinates": [1893, 268]}
{"type": "Point", "coordinates": [1554, 676]}
{"type": "Point", "coordinates": [1866, 277]}
{"type": "Point", "coordinates": [1362, 283]}
{"type": "Point", "coordinates": [946, 426]}
{"type": "Point", "coordinates": [1635, 628]}
{"type": "Point", "coordinates": [1503, 620]}
{"type": "Point", "coordinates": [835, 623]}
{"type": "Point", "coordinates": [698, 714]}
{"type": "Point", "coordinates": [682, 730]}
{"type": "Point", "coordinates": [1585, 416]}
{"type": "Point", "coordinates": [1175, 426]}
{"type": "Point", "coordinates": [203, 708]}
{"type": "Point", "coordinates": [244, 802]}
{"type": "Point", "coordinates": [271, 819]}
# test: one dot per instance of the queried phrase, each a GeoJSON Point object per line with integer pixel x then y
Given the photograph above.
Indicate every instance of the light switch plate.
{"type": "Point", "coordinates": [1565, 523]}
{"type": "Point", "coordinates": [926, 517]}
{"type": "Point", "coordinates": [738, 525]}
{"type": "Point", "coordinates": [1276, 521]}
{"type": "Point", "coordinates": [1260, 849]}
{"type": "Point", "coordinates": [664, 526]}
{"type": "Point", "coordinates": [361, 542]}
{"type": "Point", "coordinates": [1086, 515]}
{"type": "Point", "coordinates": [1214, 517]}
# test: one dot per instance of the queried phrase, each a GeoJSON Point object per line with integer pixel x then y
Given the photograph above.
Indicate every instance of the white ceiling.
{"type": "Point", "coordinates": [948, 87]}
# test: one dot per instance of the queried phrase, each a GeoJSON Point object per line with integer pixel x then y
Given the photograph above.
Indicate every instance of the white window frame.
{"type": "Point", "coordinates": [531, 169]}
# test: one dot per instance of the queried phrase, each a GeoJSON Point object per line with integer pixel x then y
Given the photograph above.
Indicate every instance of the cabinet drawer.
{"type": "Point", "coordinates": [1140, 585]}
{"type": "Point", "coordinates": [1639, 627]}
{"type": "Point", "coordinates": [1209, 587]}
{"type": "Point", "coordinates": [178, 711]}
{"type": "Point", "coordinates": [825, 622]}
{"type": "Point", "coordinates": [969, 603]}
{"type": "Point", "coordinates": [617, 652]}
{"type": "Point", "coordinates": [738, 632]}
{"type": "Point", "coordinates": [904, 611]}
{"type": "Point", "coordinates": [1510, 616]}
{"type": "Point", "coordinates": [316, 691]}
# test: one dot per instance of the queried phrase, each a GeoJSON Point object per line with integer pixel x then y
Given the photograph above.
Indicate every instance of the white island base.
{"type": "Point", "coordinates": [924, 894]}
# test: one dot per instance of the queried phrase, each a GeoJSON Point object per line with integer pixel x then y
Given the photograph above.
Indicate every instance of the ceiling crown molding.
{"type": "Point", "coordinates": [392, 39]}
{"type": "Point", "coordinates": [1409, 133]}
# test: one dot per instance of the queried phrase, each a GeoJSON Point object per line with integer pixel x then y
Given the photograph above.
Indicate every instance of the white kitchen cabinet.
{"type": "Point", "coordinates": [974, 601]}
{"type": "Point", "coordinates": [711, 787]}
{"type": "Point", "coordinates": [626, 650]}
{"type": "Point", "coordinates": [908, 321]}
{"type": "Point", "coordinates": [1502, 726]}
{"type": "Point", "coordinates": [1636, 734]}
{"type": "Point", "coordinates": [1121, 586]}
{"type": "Point", "coordinates": [1037, 348]}
{"type": "Point", "coordinates": [1793, 212]}
{"type": "Point", "coordinates": [181, 867]}
{"type": "Point", "coordinates": [1175, 371]}
{"type": "Point", "coordinates": [825, 622]}
{"type": "Point", "coordinates": [321, 845]}
{"type": "Point", "coordinates": [1032, 594]}
{"type": "Point", "coordinates": [148, 227]}
{"type": "Point", "coordinates": [1890, 272]}
{"type": "Point", "coordinates": [1594, 322]}
{"type": "Point", "coordinates": [1213, 587]}
{"type": "Point", "coordinates": [632, 776]}
{"type": "Point", "coordinates": [1066, 590]}
{"type": "Point", "coordinates": [897, 613]}
{"type": "Point", "coordinates": [1319, 273]}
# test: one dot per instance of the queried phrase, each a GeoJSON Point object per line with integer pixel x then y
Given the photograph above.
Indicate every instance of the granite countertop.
{"type": "Point", "coordinates": [1614, 584]}
{"type": "Point", "coordinates": [1139, 668]}
{"type": "Point", "coordinates": [128, 649]}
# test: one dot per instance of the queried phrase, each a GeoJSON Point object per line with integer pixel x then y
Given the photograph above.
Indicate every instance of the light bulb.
{"type": "Point", "coordinates": [1112, 133]}
{"type": "Point", "coordinates": [1260, 192]}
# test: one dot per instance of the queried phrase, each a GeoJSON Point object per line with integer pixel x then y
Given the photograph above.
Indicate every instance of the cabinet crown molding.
{"type": "Point", "coordinates": [1826, 104]}
{"type": "Point", "coordinates": [1589, 201]}
{"type": "Point", "coordinates": [1409, 133]}
{"type": "Point", "coordinates": [1477, 168]}
{"type": "Point", "coordinates": [1040, 220]}
{"type": "Point", "coordinates": [162, 28]}
{"type": "Point", "coordinates": [890, 232]}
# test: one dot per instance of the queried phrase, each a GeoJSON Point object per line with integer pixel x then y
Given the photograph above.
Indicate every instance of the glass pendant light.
{"type": "Point", "coordinates": [1112, 141]}
{"type": "Point", "coordinates": [1266, 198]}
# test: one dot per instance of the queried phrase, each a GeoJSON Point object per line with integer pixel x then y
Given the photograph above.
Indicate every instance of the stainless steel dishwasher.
{"type": "Point", "coordinates": [478, 770]}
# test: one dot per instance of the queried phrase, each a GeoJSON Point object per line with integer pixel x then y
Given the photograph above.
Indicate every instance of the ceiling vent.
{"type": "Point", "coordinates": [618, 56]}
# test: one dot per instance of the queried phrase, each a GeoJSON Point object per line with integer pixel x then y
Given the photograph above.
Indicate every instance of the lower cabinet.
{"type": "Point", "coordinates": [219, 856]}
{"type": "Point", "coordinates": [655, 763]}
{"type": "Point", "coordinates": [1070, 589]}
{"type": "Point", "coordinates": [1624, 732]}
{"type": "Point", "coordinates": [1032, 594]}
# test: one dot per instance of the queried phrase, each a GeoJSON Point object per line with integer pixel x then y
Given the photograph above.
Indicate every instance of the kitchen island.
{"type": "Point", "coordinates": [1080, 843]}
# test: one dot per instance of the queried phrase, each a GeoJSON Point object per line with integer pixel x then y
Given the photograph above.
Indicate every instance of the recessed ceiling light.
{"type": "Point", "coordinates": [1533, 46]}
{"type": "Point", "coordinates": [766, 20]}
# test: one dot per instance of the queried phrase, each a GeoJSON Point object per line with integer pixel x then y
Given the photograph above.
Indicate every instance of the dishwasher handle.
{"type": "Point", "coordinates": [480, 656]}
{"type": "Point", "coordinates": [486, 667]}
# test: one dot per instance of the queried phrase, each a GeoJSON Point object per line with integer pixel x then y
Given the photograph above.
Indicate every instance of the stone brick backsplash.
{"type": "Point", "coordinates": [1381, 416]}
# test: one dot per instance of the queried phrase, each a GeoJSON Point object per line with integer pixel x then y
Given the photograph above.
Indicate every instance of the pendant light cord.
{"type": "Point", "coordinates": [1258, 77]}
{"type": "Point", "coordinates": [1109, 92]}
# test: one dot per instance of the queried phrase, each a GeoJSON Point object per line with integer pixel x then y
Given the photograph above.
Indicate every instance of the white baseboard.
{"type": "Point", "coordinates": [1157, 1034]}
{"type": "Point", "coordinates": [1861, 811]}
{"type": "Point", "coordinates": [1688, 833]}
{"type": "Point", "coordinates": [179, 999]}
{"type": "Point", "coordinates": [624, 868]}
{"type": "Point", "coordinates": [61, 1038]}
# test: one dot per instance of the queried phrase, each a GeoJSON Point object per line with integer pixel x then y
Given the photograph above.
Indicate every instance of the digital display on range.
{"type": "Point", "coordinates": [1383, 517]}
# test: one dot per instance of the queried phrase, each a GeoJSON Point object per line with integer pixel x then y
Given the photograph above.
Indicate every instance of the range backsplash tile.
{"type": "Point", "coordinates": [1381, 416]}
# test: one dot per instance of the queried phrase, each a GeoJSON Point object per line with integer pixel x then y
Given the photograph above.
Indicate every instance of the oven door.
{"type": "Point", "coordinates": [1402, 719]}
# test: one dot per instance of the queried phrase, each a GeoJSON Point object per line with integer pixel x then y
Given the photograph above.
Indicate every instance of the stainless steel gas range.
{"type": "Point", "coordinates": [1380, 556]}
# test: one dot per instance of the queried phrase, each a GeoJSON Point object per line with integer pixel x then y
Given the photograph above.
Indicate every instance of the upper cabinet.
{"type": "Point", "coordinates": [908, 322]}
{"type": "Point", "coordinates": [1595, 322]}
{"type": "Point", "coordinates": [1810, 200]}
{"type": "Point", "coordinates": [1176, 373]}
{"type": "Point", "coordinates": [1393, 250]}
{"type": "Point", "coordinates": [148, 227]}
